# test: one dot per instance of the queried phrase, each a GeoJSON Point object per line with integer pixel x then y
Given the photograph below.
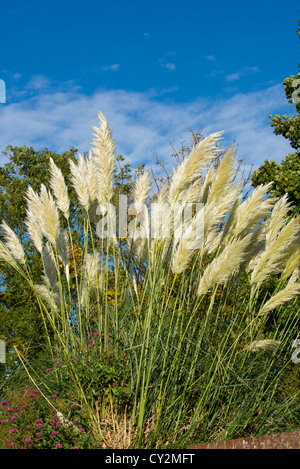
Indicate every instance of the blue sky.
{"type": "Point", "coordinates": [155, 69]}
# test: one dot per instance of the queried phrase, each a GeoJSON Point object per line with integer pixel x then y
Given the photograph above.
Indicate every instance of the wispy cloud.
{"type": "Point", "coordinates": [113, 67]}
{"type": "Point", "coordinates": [240, 73]}
{"type": "Point", "coordinates": [170, 66]}
{"type": "Point", "coordinates": [143, 123]}
{"type": "Point", "coordinates": [166, 62]}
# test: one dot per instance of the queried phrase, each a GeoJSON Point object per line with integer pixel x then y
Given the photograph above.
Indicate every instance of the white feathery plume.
{"type": "Point", "coordinates": [91, 274]}
{"type": "Point", "coordinates": [141, 191]}
{"type": "Point", "coordinates": [104, 157]}
{"type": "Point", "coordinates": [50, 217]}
{"type": "Point", "coordinates": [13, 243]}
{"type": "Point", "coordinates": [191, 167]}
{"type": "Point", "coordinates": [91, 177]}
{"type": "Point", "coordinates": [80, 181]}
{"type": "Point", "coordinates": [63, 249]}
{"type": "Point", "coordinates": [191, 241]}
{"type": "Point", "coordinates": [59, 188]}
{"type": "Point", "coordinates": [255, 208]}
{"type": "Point", "coordinates": [223, 176]}
{"type": "Point", "coordinates": [52, 298]}
{"type": "Point", "coordinates": [266, 344]}
{"type": "Point", "coordinates": [6, 255]}
{"type": "Point", "coordinates": [34, 230]}
{"type": "Point", "coordinates": [223, 266]}
{"type": "Point", "coordinates": [270, 260]}
{"type": "Point", "coordinates": [286, 294]}
{"type": "Point", "coordinates": [92, 269]}
{"type": "Point", "coordinates": [277, 219]}
{"type": "Point", "coordinates": [49, 265]}
{"type": "Point", "coordinates": [292, 265]}
{"type": "Point", "coordinates": [208, 180]}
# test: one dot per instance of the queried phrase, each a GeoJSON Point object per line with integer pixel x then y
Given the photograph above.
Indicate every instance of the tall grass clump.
{"type": "Point", "coordinates": [160, 321]}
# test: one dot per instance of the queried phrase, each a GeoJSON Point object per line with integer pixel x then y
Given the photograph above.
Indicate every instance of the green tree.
{"type": "Point", "coordinates": [285, 176]}
{"type": "Point", "coordinates": [20, 321]}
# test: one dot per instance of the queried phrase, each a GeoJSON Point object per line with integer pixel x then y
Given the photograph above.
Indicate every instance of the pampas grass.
{"type": "Point", "coordinates": [176, 303]}
{"type": "Point", "coordinates": [13, 244]}
{"type": "Point", "coordinates": [59, 188]}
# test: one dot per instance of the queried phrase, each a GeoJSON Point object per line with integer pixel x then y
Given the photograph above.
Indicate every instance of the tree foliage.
{"type": "Point", "coordinates": [285, 176]}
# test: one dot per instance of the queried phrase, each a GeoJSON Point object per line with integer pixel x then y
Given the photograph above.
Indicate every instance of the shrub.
{"type": "Point", "coordinates": [182, 343]}
{"type": "Point", "coordinates": [29, 422]}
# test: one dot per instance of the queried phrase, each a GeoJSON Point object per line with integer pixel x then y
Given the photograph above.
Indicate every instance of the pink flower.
{"type": "Point", "coordinates": [36, 390]}
{"type": "Point", "coordinates": [39, 421]}
{"type": "Point", "coordinates": [81, 430]}
{"type": "Point", "coordinates": [58, 424]}
{"type": "Point", "coordinates": [75, 447]}
{"type": "Point", "coordinates": [11, 444]}
{"type": "Point", "coordinates": [39, 425]}
{"type": "Point", "coordinates": [75, 421]}
{"type": "Point", "coordinates": [38, 434]}
{"type": "Point", "coordinates": [54, 432]}
{"type": "Point", "coordinates": [31, 395]}
{"type": "Point", "coordinates": [58, 446]}
{"type": "Point", "coordinates": [51, 421]}
{"type": "Point", "coordinates": [91, 345]}
{"type": "Point", "coordinates": [10, 409]}
{"type": "Point", "coordinates": [57, 363]}
{"type": "Point", "coordinates": [73, 405]}
{"type": "Point", "coordinates": [13, 417]}
{"type": "Point", "coordinates": [28, 440]}
{"type": "Point", "coordinates": [48, 370]}
{"type": "Point", "coordinates": [13, 430]}
{"type": "Point", "coordinates": [54, 395]}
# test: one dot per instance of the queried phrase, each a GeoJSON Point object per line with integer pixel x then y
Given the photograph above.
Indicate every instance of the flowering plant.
{"type": "Point", "coordinates": [21, 429]}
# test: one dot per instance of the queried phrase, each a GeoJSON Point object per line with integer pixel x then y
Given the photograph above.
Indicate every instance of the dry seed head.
{"type": "Point", "coordinates": [266, 344]}
{"type": "Point", "coordinates": [192, 166]}
{"type": "Point", "coordinates": [35, 206]}
{"type": "Point", "coordinates": [52, 298]}
{"type": "Point", "coordinates": [80, 181]}
{"type": "Point", "coordinates": [59, 188]}
{"type": "Point", "coordinates": [50, 217]}
{"type": "Point", "coordinates": [277, 219]}
{"type": "Point", "coordinates": [270, 261]}
{"type": "Point", "coordinates": [49, 264]}
{"type": "Point", "coordinates": [293, 265]}
{"type": "Point", "coordinates": [223, 176]}
{"type": "Point", "coordinates": [142, 188]}
{"type": "Point", "coordinates": [224, 266]}
{"type": "Point", "coordinates": [104, 157]}
{"type": "Point", "coordinates": [13, 244]}
{"type": "Point", "coordinates": [34, 230]}
{"type": "Point", "coordinates": [5, 255]}
{"type": "Point", "coordinates": [288, 293]}
{"type": "Point", "coordinates": [255, 208]}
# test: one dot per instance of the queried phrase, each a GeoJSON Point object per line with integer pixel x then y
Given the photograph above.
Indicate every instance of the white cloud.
{"type": "Point", "coordinates": [113, 67]}
{"type": "Point", "coordinates": [240, 73]}
{"type": "Point", "coordinates": [142, 123]}
{"type": "Point", "coordinates": [170, 66]}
